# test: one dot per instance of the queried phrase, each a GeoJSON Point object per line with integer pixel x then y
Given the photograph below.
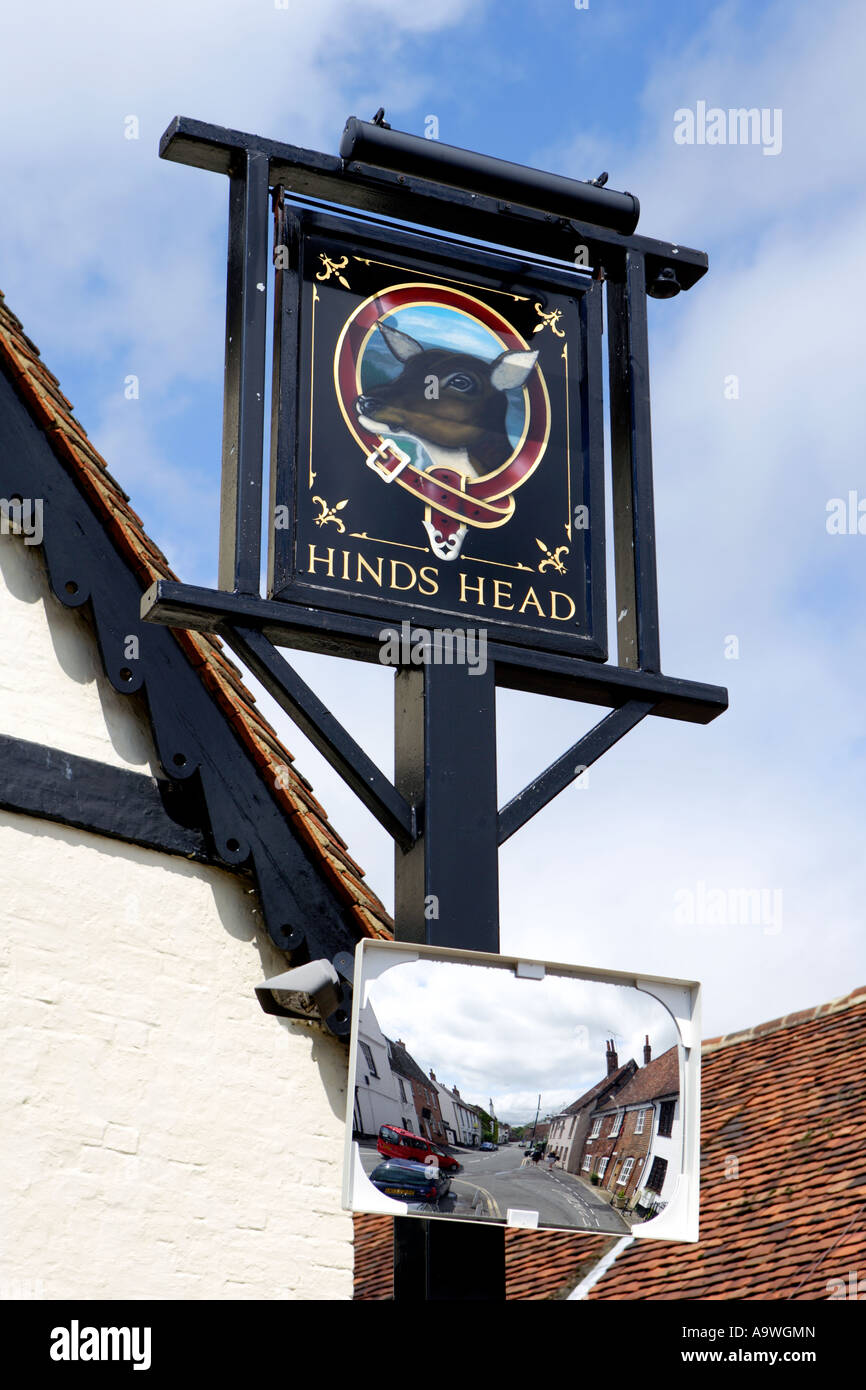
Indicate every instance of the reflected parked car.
{"type": "Point", "coordinates": [394, 1142]}
{"type": "Point", "coordinates": [487, 1145]}
{"type": "Point", "coordinates": [410, 1182]}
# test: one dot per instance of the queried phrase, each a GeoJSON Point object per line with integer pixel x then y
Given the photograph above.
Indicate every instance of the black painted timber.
{"type": "Point", "coordinates": [325, 732]}
{"type": "Point", "coordinates": [54, 785]}
{"type": "Point", "coordinates": [422, 202]}
{"type": "Point", "coordinates": [546, 673]}
{"type": "Point", "coordinates": [243, 398]}
{"type": "Point", "coordinates": [569, 767]}
{"type": "Point", "coordinates": [447, 894]}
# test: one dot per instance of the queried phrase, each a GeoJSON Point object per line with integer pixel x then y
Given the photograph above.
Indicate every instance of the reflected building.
{"type": "Point", "coordinates": [425, 1093]}
{"type": "Point", "coordinates": [634, 1146]}
{"type": "Point", "coordinates": [382, 1097]}
{"type": "Point", "coordinates": [571, 1129]}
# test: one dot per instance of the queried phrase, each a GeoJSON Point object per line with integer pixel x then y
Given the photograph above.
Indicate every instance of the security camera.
{"type": "Point", "coordinates": [312, 991]}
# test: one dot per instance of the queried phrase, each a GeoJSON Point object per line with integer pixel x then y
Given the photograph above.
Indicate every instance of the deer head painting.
{"type": "Point", "coordinates": [460, 413]}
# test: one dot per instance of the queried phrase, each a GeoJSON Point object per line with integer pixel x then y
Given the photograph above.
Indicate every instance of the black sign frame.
{"type": "Point", "coordinates": [441, 808]}
{"type": "Point", "coordinates": [443, 720]}
{"type": "Point", "coordinates": [561, 315]}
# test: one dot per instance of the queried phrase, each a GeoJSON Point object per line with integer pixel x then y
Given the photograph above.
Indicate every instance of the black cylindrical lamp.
{"type": "Point", "coordinates": [370, 143]}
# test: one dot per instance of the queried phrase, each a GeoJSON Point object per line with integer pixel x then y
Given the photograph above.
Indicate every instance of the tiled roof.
{"type": "Point", "coordinates": [547, 1264]}
{"type": "Point", "coordinates": [783, 1180]}
{"type": "Point", "coordinates": [52, 413]}
{"type": "Point", "coordinates": [404, 1063]}
{"type": "Point", "coordinates": [616, 1077]}
{"type": "Point", "coordinates": [374, 1258]}
{"type": "Point", "coordinates": [661, 1077]}
{"type": "Point", "coordinates": [783, 1167]}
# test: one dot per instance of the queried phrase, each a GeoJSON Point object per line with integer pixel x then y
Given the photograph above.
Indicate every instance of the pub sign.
{"type": "Point", "coordinates": [439, 438]}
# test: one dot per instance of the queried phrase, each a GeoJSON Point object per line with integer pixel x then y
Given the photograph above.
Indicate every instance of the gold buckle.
{"type": "Point", "coordinates": [376, 460]}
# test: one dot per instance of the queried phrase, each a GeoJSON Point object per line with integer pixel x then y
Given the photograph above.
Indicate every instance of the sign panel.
{"type": "Point", "coordinates": [446, 463]}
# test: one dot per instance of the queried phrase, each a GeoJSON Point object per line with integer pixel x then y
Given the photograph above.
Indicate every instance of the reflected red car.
{"type": "Point", "coordinates": [394, 1142]}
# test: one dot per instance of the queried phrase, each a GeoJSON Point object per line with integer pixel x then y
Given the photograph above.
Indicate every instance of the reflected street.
{"type": "Point", "coordinates": [492, 1183]}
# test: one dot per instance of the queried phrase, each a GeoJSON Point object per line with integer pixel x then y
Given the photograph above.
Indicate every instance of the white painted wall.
{"type": "Point", "coordinates": [52, 686]}
{"type": "Point", "coordinates": [163, 1138]}
{"type": "Point", "coordinates": [377, 1098]}
{"type": "Point", "coordinates": [667, 1147]}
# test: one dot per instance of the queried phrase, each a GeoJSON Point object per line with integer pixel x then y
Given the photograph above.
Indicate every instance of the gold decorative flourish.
{"type": "Point", "coordinates": [362, 536]}
{"type": "Point", "coordinates": [330, 268]}
{"type": "Point", "coordinates": [553, 559]}
{"type": "Point", "coordinates": [330, 513]}
{"type": "Point", "coordinates": [500, 564]}
{"type": "Point", "coordinates": [549, 321]}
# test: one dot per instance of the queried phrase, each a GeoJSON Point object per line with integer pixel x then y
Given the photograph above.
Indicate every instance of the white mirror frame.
{"type": "Point", "coordinates": [681, 999]}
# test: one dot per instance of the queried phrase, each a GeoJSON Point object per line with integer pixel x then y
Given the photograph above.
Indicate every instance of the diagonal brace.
{"type": "Point", "coordinates": [568, 768]}
{"type": "Point", "coordinates": [325, 732]}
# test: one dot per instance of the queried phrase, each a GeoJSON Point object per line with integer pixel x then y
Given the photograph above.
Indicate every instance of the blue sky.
{"type": "Point", "coordinates": [114, 261]}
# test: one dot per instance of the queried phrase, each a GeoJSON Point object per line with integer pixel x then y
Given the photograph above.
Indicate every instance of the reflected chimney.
{"type": "Point", "coordinates": [612, 1061]}
{"type": "Point", "coordinates": [432, 1074]}
{"type": "Point", "coordinates": [647, 1052]}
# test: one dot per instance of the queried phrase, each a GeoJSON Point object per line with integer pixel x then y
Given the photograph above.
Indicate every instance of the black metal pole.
{"type": "Point", "coordinates": [535, 1121]}
{"type": "Point", "coordinates": [244, 392]}
{"type": "Point", "coordinates": [637, 601]}
{"type": "Point", "coordinates": [447, 894]}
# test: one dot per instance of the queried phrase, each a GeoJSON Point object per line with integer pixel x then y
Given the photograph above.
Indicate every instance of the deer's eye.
{"type": "Point", "coordinates": [462, 381]}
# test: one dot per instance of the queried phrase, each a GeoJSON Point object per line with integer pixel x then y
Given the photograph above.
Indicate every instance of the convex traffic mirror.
{"type": "Point", "coordinates": [499, 1089]}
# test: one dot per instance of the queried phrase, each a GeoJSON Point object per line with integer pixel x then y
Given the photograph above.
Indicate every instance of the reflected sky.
{"type": "Point", "coordinates": [498, 1037]}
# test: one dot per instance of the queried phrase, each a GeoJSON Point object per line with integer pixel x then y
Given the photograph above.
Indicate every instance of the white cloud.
{"type": "Point", "coordinates": [495, 1036]}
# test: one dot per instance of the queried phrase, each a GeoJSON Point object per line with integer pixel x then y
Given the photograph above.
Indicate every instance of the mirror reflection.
{"type": "Point", "coordinates": [478, 1094]}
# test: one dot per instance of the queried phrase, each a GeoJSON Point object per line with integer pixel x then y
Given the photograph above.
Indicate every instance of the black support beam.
{"type": "Point", "coordinates": [637, 605]}
{"type": "Point", "coordinates": [569, 767]}
{"type": "Point", "coordinates": [243, 400]}
{"type": "Point", "coordinates": [311, 629]}
{"type": "Point", "coordinates": [447, 884]}
{"type": "Point", "coordinates": [447, 894]}
{"type": "Point", "coordinates": [324, 731]}
{"type": "Point", "coordinates": [457, 214]}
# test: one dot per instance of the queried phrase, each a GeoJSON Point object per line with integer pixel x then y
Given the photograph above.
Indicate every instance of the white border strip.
{"type": "Point", "coordinates": [598, 1271]}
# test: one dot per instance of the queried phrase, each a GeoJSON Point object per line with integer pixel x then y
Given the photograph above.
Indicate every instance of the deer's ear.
{"type": "Point", "coordinates": [511, 369]}
{"type": "Point", "coordinates": [402, 346]}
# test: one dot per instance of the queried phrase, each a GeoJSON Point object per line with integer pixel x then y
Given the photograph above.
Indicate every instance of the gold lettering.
{"type": "Point", "coordinates": [374, 574]}
{"type": "Point", "coordinates": [504, 584]}
{"type": "Point", "coordinates": [317, 559]}
{"type": "Point", "coordinates": [531, 598]}
{"type": "Point", "coordinates": [561, 618]}
{"type": "Point", "coordinates": [466, 584]}
{"type": "Point", "coordinates": [345, 564]}
{"type": "Point", "coordinates": [406, 566]}
{"type": "Point", "coordinates": [433, 581]}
